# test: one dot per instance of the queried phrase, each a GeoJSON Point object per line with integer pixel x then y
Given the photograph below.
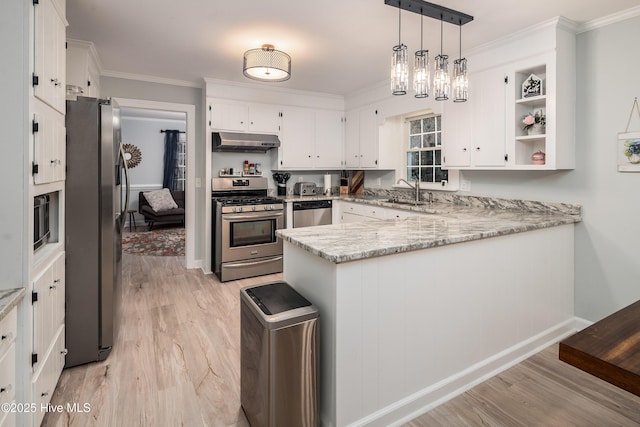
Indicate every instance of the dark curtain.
{"type": "Point", "coordinates": [170, 158]}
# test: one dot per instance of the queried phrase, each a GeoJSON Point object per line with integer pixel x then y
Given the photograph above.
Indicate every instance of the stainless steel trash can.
{"type": "Point", "coordinates": [279, 357]}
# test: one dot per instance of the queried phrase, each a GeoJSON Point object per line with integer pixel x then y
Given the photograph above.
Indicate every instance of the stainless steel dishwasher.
{"type": "Point", "coordinates": [278, 357]}
{"type": "Point", "coordinates": [311, 212]}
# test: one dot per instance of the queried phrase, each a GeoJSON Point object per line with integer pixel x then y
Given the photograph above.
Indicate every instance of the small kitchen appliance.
{"type": "Point", "coordinates": [305, 189]}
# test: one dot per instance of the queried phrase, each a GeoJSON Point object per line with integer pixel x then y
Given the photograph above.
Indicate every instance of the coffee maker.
{"type": "Point", "coordinates": [281, 179]}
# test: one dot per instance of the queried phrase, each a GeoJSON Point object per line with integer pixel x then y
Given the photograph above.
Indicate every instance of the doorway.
{"type": "Point", "coordinates": [174, 115]}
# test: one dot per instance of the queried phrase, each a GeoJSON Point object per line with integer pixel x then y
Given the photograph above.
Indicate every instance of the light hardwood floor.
{"type": "Point", "coordinates": [176, 363]}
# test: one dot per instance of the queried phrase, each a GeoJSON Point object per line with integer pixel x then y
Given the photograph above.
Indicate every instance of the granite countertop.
{"type": "Point", "coordinates": [439, 224]}
{"type": "Point", "coordinates": [9, 298]}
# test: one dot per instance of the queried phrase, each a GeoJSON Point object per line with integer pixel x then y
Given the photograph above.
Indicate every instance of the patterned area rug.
{"type": "Point", "coordinates": [159, 242]}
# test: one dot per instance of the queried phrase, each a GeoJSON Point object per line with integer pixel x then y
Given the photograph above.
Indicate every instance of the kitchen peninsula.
{"type": "Point", "coordinates": [416, 310]}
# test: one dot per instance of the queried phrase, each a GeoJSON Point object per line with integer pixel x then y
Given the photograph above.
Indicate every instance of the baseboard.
{"type": "Point", "coordinates": [418, 403]}
{"type": "Point", "coordinates": [580, 323]}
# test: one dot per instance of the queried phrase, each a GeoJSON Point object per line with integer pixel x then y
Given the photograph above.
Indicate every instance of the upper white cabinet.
{"type": "Point", "coordinates": [49, 55]}
{"type": "Point", "coordinates": [329, 139]}
{"type": "Point", "coordinates": [83, 70]}
{"type": "Point", "coordinates": [311, 139]}
{"type": "Point", "coordinates": [474, 131]}
{"type": "Point", "coordinates": [488, 132]}
{"type": "Point", "coordinates": [244, 117]}
{"type": "Point", "coordinates": [362, 138]}
{"type": "Point", "coordinates": [297, 138]}
{"type": "Point", "coordinates": [49, 142]}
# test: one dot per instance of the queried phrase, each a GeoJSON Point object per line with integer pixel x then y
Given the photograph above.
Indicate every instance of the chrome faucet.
{"type": "Point", "coordinates": [416, 187]}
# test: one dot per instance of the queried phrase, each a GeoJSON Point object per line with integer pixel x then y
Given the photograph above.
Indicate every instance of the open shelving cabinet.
{"type": "Point", "coordinates": [525, 144]}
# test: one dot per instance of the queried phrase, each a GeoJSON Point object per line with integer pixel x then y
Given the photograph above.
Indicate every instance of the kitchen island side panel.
{"type": "Point", "coordinates": [403, 333]}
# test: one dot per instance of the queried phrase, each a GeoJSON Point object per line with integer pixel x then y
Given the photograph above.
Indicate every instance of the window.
{"type": "Point", "coordinates": [424, 154]}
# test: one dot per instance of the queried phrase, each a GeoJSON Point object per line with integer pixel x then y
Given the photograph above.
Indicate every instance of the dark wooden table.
{"type": "Point", "coordinates": [609, 349]}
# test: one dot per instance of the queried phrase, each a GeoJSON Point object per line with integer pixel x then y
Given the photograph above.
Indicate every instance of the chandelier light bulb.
{"type": "Point", "coordinates": [399, 70]}
{"type": "Point", "coordinates": [441, 80]}
{"type": "Point", "coordinates": [460, 80]}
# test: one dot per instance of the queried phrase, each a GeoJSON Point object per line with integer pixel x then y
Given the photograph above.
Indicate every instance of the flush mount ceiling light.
{"type": "Point", "coordinates": [441, 79]}
{"type": "Point", "coordinates": [267, 64]}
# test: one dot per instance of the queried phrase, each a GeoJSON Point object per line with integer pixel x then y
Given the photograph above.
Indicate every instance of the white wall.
{"type": "Point", "coordinates": [607, 266]}
{"type": "Point", "coordinates": [144, 133]}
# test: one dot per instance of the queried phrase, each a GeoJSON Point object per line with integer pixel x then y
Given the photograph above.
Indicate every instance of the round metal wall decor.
{"type": "Point", "coordinates": [132, 155]}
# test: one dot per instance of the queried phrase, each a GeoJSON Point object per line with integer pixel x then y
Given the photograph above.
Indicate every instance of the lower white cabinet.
{"type": "Point", "coordinates": [8, 331]}
{"type": "Point", "coordinates": [45, 380]}
{"type": "Point", "coordinates": [48, 348]}
{"type": "Point", "coordinates": [359, 212]}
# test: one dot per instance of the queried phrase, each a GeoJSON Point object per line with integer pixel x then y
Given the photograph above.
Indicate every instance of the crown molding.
{"type": "Point", "coordinates": [92, 50]}
{"type": "Point", "coordinates": [150, 79]}
{"type": "Point", "coordinates": [609, 19]}
{"type": "Point", "coordinates": [272, 89]}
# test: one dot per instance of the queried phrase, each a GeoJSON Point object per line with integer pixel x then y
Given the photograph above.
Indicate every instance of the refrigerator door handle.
{"type": "Point", "coordinates": [126, 197]}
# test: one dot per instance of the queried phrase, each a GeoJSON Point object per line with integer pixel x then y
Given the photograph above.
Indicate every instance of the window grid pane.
{"type": "Point", "coordinates": [424, 154]}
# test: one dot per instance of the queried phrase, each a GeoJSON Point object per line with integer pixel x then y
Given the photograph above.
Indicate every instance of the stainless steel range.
{"type": "Point", "coordinates": [245, 220]}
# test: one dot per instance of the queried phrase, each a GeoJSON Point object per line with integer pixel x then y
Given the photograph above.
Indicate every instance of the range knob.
{"type": "Point", "coordinates": [253, 208]}
{"type": "Point", "coordinates": [271, 207]}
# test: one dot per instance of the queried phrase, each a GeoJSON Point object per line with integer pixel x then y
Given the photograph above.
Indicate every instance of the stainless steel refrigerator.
{"type": "Point", "coordinates": [95, 215]}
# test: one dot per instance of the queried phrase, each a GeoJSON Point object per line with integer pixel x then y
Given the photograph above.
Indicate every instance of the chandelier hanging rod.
{"type": "Point", "coordinates": [432, 10]}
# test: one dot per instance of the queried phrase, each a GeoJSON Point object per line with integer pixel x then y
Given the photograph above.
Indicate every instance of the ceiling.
{"type": "Point", "coordinates": [337, 46]}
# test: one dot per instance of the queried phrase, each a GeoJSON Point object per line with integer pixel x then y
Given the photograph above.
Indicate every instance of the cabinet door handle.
{"type": "Point", "coordinates": [464, 149]}
{"type": "Point", "coordinates": [45, 394]}
{"type": "Point", "coordinates": [477, 148]}
{"type": "Point", "coordinates": [64, 352]}
{"type": "Point", "coordinates": [6, 388]}
{"type": "Point", "coordinates": [7, 337]}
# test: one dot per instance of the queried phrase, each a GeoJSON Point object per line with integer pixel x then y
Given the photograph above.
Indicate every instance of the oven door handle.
{"type": "Point", "coordinates": [254, 215]}
{"type": "Point", "coordinates": [251, 263]}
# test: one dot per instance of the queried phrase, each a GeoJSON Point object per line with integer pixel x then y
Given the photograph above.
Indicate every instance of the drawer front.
{"type": "Point", "coordinates": [8, 330]}
{"type": "Point", "coordinates": [8, 375]}
{"type": "Point", "coordinates": [45, 382]}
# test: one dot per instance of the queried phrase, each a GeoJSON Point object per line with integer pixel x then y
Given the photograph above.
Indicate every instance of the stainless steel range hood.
{"type": "Point", "coordinates": [243, 142]}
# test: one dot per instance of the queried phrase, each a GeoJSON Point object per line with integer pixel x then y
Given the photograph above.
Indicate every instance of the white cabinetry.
{"type": "Point", "coordinates": [49, 142]}
{"type": "Point", "coordinates": [557, 104]}
{"type": "Point", "coordinates": [36, 84]}
{"type": "Point", "coordinates": [83, 70]}
{"type": "Point", "coordinates": [8, 330]}
{"type": "Point", "coordinates": [329, 139]}
{"type": "Point", "coordinates": [48, 310]}
{"type": "Point", "coordinates": [358, 212]}
{"type": "Point", "coordinates": [50, 63]}
{"type": "Point", "coordinates": [363, 146]}
{"type": "Point", "coordinates": [244, 117]}
{"type": "Point", "coordinates": [311, 139]}
{"type": "Point", "coordinates": [487, 131]}
{"type": "Point", "coordinates": [297, 139]}
{"type": "Point", "coordinates": [48, 351]}
{"type": "Point", "coordinates": [474, 131]}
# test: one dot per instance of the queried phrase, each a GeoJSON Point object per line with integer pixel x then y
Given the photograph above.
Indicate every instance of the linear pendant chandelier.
{"type": "Point", "coordinates": [441, 79]}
